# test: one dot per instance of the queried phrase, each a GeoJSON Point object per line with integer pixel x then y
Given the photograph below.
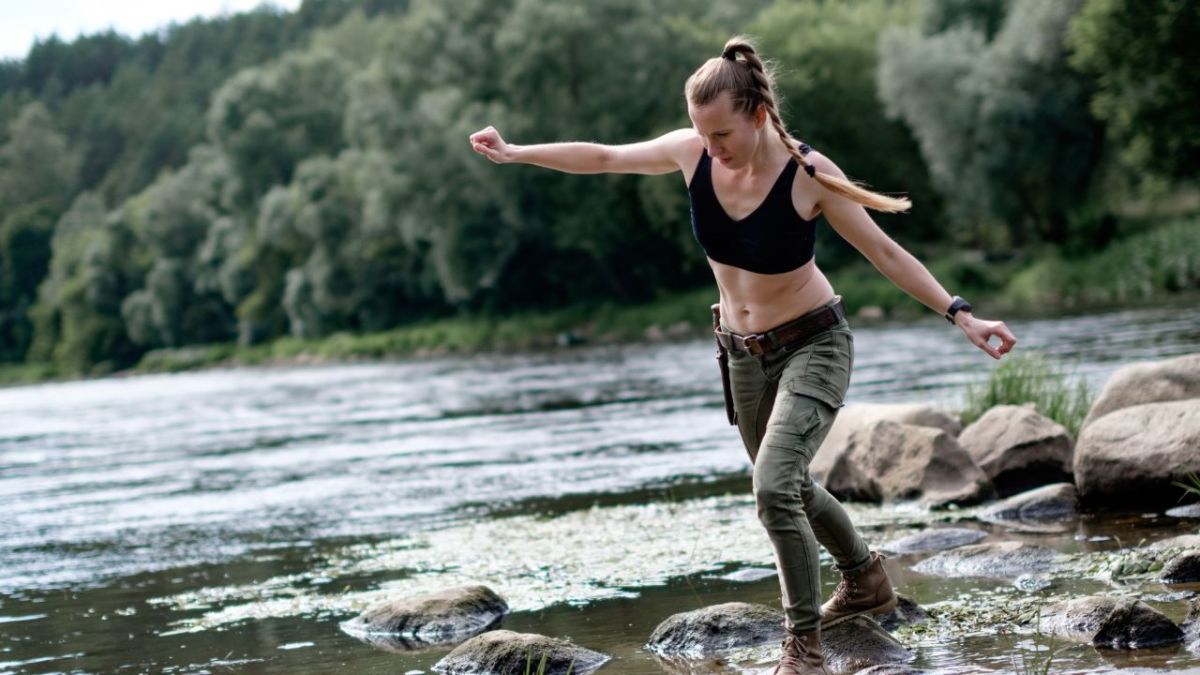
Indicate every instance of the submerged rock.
{"type": "Point", "coordinates": [890, 461]}
{"type": "Point", "coordinates": [1170, 380]}
{"type": "Point", "coordinates": [1036, 509]}
{"type": "Point", "coordinates": [906, 613]}
{"type": "Point", "coordinates": [1132, 457]}
{"type": "Point", "coordinates": [1018, 448]}
{"type": "Point", "coordinates": [434, 618]}
{"type": "Point", "coordinates": [716, 629]}
{"type": "Point", "coordinates": [937, 539]}
{"type": "Point", "coordinates": [1182, 569]}
{"type": "Point", "coordinates": [503, 652]}
{"type": "Point", "coordinates": [999, 560]}
{"type": "Point", "coordinates": [1117, 623]}
{"type": "Point", "coordinates": [860, 643]}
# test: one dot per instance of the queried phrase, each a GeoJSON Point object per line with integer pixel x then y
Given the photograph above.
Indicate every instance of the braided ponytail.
{"type": "Point", "coordinates": [750, 84]}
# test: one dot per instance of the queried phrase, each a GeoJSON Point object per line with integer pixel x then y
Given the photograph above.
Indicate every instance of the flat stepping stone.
{"type": "Point", "coordinates": [861, 643]}
{"type": "Point", "coordinates": [436, 618]}
{"type": "Point", "coordinates": [1182, 541]}
{"type": "Point", "coordinates": [717, 628]}
{"type": "Point", "coordinates": [999, 560]}
{"type": "Point", "coordinates": [504, 652]}
{"type": "Point", "coordinates": [939, 539]}
{"type": "Point", "coordinates": [1116, 623]}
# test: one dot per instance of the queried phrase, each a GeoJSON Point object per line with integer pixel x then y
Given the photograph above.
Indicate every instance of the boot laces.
{"type": "Point", "coordinates": [794, 652]}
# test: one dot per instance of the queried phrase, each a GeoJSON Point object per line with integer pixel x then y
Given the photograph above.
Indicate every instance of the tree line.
{"type": "Point", "coordinates": [305, 173]}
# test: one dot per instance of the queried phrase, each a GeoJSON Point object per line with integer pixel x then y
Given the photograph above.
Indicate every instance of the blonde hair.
{"type": "Point", "coordinates": [751, 84]}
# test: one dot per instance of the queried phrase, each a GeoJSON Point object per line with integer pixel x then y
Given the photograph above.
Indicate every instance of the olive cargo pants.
{"type": "Point", "coordinates": [785, 402]}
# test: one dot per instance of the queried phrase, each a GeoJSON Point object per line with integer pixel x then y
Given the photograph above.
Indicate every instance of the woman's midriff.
{"type": "Point", "coordinates": [755, 303]}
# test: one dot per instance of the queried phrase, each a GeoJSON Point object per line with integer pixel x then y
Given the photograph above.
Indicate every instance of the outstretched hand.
{"type": "Point", "coordinates": [488, 143]}
{"type": "Point", "coordinates": [980, 333]}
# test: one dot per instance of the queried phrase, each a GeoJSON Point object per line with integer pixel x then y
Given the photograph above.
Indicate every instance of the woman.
{"type": "Point", "coordinates": [789, 347]}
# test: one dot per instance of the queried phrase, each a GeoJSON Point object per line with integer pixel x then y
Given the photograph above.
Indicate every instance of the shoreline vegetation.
{"type": "Point", "coordinates": [1160, 267]}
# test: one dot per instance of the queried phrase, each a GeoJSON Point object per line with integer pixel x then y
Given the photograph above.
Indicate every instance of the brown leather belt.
{"type": "Point", "coordinates": [796, 330]}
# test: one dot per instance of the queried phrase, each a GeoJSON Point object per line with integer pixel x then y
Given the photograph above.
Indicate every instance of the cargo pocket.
{"type": "Point", "coordinates": [825, 374]}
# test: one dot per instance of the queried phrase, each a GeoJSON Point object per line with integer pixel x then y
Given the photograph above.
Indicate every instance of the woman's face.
{"type": "Point", "coordinates": [729, 136]}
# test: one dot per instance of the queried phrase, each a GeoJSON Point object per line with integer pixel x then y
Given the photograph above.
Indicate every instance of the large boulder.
{"type": "Point", "coordinates": [1035, 509]}
{"type": "Point", "coordinates": [715, 629]}
{"type": "Point", "coordinates": [503, 652]}
{"type": "Point", "coordinates": [891, 461]}
{"type": "Point", "coordinates": [1116, 623]}
{"type": "Point", "coordinates": [859, 415]}
{"type": "Point", "coordinates": [1153, 382]}
{"type": "Point", "coordinates": [434, 618]}
{"type": "Point", "coordinates": [1007, 559]}
{"type": "Point", "coordinates": [1018, 448]}
{"type": "Point", "coordinates": [1131, 458]}
{"type": "Point", "coordinates": [933, 539]}
{"type": "Point", "coordinates": [860, 643]}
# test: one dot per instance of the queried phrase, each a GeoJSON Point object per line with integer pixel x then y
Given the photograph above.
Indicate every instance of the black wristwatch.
{"type": "Point", "coordinates": [956, 305]}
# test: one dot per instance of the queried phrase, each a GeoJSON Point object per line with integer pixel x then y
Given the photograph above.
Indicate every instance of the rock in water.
{"type": "Point", "coordinates": [859, 415]}
{"type": "Point", "coordinates": [1117, 623]}
{"type": "Point", "coordinates": [1182, 569]}
{"type": "Point", "coordinates": [891, 461]}
{"type": "Point", "coordinates": [937, 539]}
{"type": "Point", "coordinates": [906, 613]}
{"type": "Point", "coordinates": [435, 618]}
{"type": "Point", "coordinates": [1018, 448]}
{"type": "Point", "coordinates": [1132, 457]}
{"type": "Point", "coordinates": [1002, 560]}
{"type": "Point", "coordinates": [861, 643]}
{"type": "Point", "coordinates": [1175, 379]}
{"type": "Point", "coordinates": [1035, 509]}
{"type": "Point", "coordinates": [716, 629]}
{"type": "Point", "coordinates": [503, 652]}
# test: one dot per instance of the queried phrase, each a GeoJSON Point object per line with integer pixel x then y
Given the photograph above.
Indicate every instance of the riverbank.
{"type": "Point", "coordinates": [1159, 267]}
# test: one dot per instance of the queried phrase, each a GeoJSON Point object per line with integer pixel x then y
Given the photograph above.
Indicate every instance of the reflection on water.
{"type": "Point", "coordinates": [122, 490]}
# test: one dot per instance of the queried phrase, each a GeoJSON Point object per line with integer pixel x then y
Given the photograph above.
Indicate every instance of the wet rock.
{"type": "Point", "coordinates": [859, 415]}
{"type": "Point", "coordinates": [860, 643]}
{"type": "Point", "coordinates": [503, 652]}
{"type": "Point", "coordinates": [1183, 541]}
{"type": "Point", "coordinates": [435, 618]}
{"type": "Point", "coordinates": [1032, 583]}
{"type": "Point", "coordinates": [1000, 560]}
{"type": "Point", "coordinates": [1182, 569]}
{"type": "Point", "coordinates": [1188, 511]}
{"type": "Point", "coordinates": [1018, 448]}
{"type": "Point", "coordinates": [893, 461]}
{"type": "Point", "coordinates": [749, 574]}
{"type": "Point", "coordinates": [1132, 457]}
{"type": "Point", "coordinates": [1117, 623]}
{"type": "Point", "coordinates": [716, 629]}
{"type": "Point", "coordinates": [1191, 622]}
{"type": "Point", "coordinates": [906, 613]}
{"type": "Point", "coordinates": [1170, 380]}
{"type": "Point", "coordinates": [1049, 503]}
{"type": "Point", "coordinates": [892, 669]}
{"type": "Point", "coordinates": [938, 539]}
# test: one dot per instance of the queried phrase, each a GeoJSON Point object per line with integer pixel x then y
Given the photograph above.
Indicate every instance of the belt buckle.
{"type": "Point", "coordinates": [752, 345]}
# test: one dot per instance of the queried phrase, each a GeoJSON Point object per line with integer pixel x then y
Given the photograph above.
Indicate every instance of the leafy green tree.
{"type": "Point", "coordinates": [1144, 56]}
{"type": "Point", "coordinates": [1002, 124]}
{"type": "Point", "coordinates": [36, 163]}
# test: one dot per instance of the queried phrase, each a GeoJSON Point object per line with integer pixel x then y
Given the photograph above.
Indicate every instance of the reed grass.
{"type": "Point", "coordinates": [1018, 380]}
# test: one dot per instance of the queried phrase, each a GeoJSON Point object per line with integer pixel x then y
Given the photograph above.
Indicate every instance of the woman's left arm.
{"type": "Point", "coordinates": [850, 220]}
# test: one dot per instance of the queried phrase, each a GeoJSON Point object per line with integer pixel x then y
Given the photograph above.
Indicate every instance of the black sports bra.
{"type": "Point", "coordinates": [773, 239]}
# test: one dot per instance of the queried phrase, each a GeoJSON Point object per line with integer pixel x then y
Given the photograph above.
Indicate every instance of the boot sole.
{"type": "Point", "coordinates": [880, 609]}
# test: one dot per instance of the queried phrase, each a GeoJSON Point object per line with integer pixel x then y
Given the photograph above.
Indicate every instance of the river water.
{"type": "Point", "coordinates": [228, 520]}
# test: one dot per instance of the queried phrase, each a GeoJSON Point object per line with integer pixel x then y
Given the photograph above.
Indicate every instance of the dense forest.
{"type": "Point", "coordinates": [303, 173]}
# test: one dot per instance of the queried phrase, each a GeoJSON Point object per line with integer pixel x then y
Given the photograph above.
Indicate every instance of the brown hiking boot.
{"type": "Point", "coordinates": [868, 592]}
{"type": "Point", "coordinates": [802, 655]}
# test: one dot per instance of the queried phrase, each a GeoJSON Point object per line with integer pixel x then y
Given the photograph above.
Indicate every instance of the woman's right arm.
{"type": "Point", "coordinates": [667, 153]}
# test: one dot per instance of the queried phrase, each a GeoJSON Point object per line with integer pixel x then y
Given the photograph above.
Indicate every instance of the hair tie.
{"type": "Point", "coordinates": [810, 170]}
{"type": "Point", "coordinates": [729, 54]}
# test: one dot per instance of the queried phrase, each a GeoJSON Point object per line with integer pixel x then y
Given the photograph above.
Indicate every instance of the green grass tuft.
{"type": "Point", "coordinates": [1031, 379]}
